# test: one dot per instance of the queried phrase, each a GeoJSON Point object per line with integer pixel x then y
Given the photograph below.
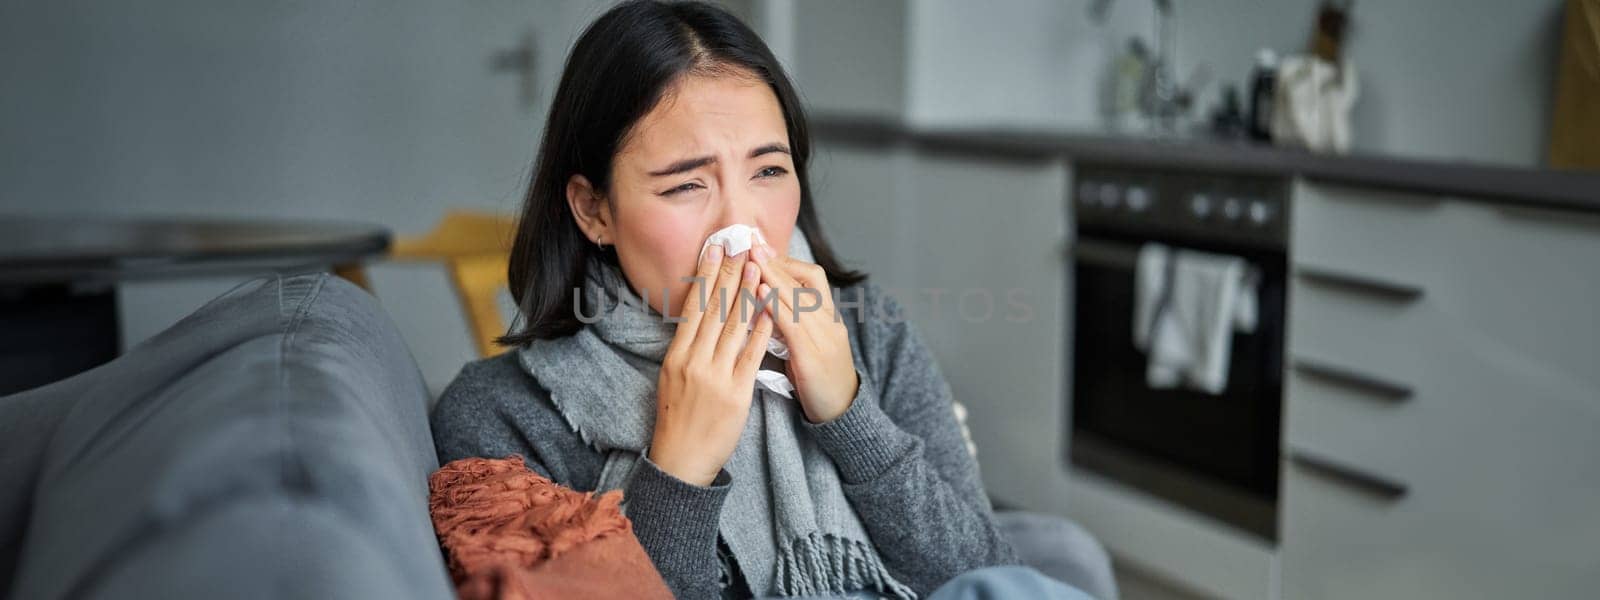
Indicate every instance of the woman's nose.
{"type": "Point", "coordinates": [737, 210]}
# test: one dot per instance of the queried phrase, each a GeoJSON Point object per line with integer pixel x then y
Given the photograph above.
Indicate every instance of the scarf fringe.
{"type": "Point", "coordinates": [824, 564]}
{"type": "Point", "coordinates": [583, 434]}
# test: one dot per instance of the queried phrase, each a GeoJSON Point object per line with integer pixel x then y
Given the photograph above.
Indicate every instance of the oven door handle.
{"type": "Point", "coordinates": [1106, 253]}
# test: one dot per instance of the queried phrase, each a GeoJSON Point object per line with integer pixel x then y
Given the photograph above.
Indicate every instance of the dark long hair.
{"type": "Point", "coordinates": [617, 72]}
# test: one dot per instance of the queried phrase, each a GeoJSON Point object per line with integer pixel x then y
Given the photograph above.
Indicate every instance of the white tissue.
{"type": "Point", "coordinates": [734, 240]}
{"type": "Point", "coordinates": [775, 381]}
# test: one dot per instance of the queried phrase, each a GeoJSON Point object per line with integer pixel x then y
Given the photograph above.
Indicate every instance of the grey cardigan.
{"type": "Point", "coordinates": [899, 450]}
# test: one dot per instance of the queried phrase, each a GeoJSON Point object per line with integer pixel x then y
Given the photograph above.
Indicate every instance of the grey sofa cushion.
{"type": "Point", "coordinates": [204, 557]}
{"type": "Point", "coordinates": [274, 443]}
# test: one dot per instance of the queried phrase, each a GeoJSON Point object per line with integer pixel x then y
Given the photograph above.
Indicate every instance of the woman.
{"type": "Point", "coordinates": [673, 121]}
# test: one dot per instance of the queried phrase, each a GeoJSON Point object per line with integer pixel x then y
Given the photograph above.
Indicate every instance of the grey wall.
{"type": "Point", "coordinates": [1439, 79]}
{"type": "Point", "coordinates": [853, 53]}
{"type": "Point", "coordinates": [378, 111]}
{"type": "Point", "coordinates": [1022, 63]}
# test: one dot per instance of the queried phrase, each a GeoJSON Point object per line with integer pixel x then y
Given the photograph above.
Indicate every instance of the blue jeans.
{"type": "Point", "coordinates": [994, 583]}
{"type": "Point", "coordinates": [1060, 549]}
{"type": "Point", "coordinates": [1005, 583]}
{"type": "Point", "coordinates": [1056, 550]}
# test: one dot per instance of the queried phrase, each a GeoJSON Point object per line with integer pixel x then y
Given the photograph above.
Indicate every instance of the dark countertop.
{"type": "Point", "coordinates": [1536, 187]}
{"type": "Point", "coordinates": [60, 249]}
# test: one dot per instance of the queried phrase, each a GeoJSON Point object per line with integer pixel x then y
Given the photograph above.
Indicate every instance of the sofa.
{"type": "Point", "coordinates": [273, 444]}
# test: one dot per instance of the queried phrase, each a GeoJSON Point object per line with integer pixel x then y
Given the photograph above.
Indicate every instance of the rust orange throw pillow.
{"type": "Point", "coordinates": [508, 533]}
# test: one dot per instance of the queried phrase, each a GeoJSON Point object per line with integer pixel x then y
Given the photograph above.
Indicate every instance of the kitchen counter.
{"type": "Point", "coordinates": [1534, 187]}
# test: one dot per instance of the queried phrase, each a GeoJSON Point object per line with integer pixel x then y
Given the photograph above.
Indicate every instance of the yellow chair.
{"type": "Point", "coordinates": [475, 248]}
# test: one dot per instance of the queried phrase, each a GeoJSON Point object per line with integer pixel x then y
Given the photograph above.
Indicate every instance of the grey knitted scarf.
{"type": "Point", "coordinates": [786, 519]}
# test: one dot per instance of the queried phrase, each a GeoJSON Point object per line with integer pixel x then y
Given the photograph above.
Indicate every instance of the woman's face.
{"type": "Point", "coordinates": [714, 152]}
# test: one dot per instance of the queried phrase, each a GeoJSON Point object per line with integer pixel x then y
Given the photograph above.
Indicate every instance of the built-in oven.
{"type": "Point", "coordinates": [1215, 454]}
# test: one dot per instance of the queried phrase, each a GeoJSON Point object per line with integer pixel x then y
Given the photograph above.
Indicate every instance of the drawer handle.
{"type": "Point", "coordinates": [1399, 292]}
{"type": "Point", "coordinates": [1376, 485]}
{"type": "Point", "coordinates": [1388, 390]}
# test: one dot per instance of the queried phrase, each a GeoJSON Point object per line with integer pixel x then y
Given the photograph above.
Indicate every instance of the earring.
{"type": "Point", "coordinates": [600, 243]}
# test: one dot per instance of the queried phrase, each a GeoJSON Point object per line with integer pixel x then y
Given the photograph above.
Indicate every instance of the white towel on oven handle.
{"type": "Point", "coordinates": [1187, 306]}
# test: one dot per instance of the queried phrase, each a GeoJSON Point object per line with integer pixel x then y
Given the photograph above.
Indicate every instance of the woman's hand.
{"type": "Point", "coordinates": [708, 374]}
{"type": "Point", "coordinates": [820, 361]}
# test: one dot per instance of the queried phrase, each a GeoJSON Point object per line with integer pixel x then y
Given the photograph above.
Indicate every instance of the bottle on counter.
{"type": "Point", "coordinates": [1228, 119]}
{"type": "Point", "coordinates": [1263, 84]}
{"type": "Point", "coordinates": [1127, 77]}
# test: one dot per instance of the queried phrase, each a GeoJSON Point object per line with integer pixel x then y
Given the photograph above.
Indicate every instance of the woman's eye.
{"type": "Point", "coordinates": [771, 172]}
{"type": "Point", "coordinates": [682, 188]}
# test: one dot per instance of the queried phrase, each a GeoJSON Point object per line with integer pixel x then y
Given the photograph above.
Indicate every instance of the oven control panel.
{"type": "Point", "coordinates": [1248, 209]}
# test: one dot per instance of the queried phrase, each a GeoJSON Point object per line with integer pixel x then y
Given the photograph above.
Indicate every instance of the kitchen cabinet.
{"type": "Point", "coordinates": [972, 250]}
{"type": "Point", "coordinates": [1442, 417]}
